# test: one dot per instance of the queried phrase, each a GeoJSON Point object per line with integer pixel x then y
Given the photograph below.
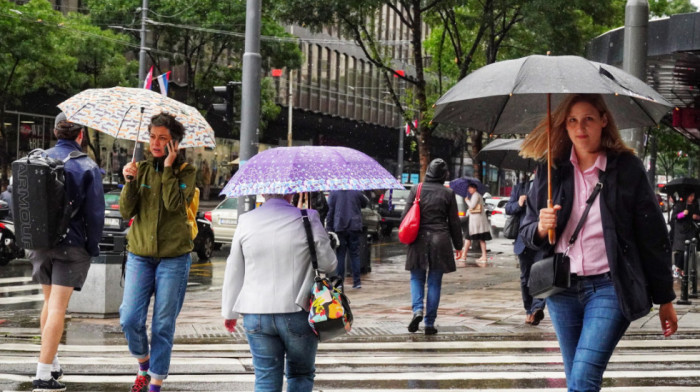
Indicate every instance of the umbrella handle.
{"type": "Point", "coordinates": [138, 131]}
{"type": "Point", "coordinates": [551, 232]}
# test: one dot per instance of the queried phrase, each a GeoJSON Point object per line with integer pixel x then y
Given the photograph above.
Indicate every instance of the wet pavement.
{"type": "Point", "coordinates": [482, 337]}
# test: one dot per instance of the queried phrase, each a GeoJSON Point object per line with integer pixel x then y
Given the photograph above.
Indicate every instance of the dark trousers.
{"type": "Point", "coordinates": [529, 303]}
{"type": "Point", "coordinates": [349, 240]}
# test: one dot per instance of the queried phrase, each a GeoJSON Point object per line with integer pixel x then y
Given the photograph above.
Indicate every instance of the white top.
{"type": "Point", "coordinates": [269, 269]}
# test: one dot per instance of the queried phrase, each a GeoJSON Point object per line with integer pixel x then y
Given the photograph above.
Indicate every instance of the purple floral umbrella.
{"type": "Point", "coordinates": [287, 170]}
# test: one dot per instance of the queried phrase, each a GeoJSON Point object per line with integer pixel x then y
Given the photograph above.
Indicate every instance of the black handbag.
{"type": "Point", "coordinates": [512, 227]}
{"type": "Point", "coordinates": [552, 275]}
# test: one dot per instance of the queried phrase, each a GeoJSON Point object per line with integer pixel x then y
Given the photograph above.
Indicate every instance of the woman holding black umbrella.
{"type": "Point", "coordinates": [621, 260]}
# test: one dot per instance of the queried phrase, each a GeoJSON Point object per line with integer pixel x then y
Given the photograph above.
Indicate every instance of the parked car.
{"type": "Point", "coordinates": [224, 219]}
{"type": "Point", "coordinates": [115, 229]}
{"type": "Point", "coordinates": [391, 206]}
{"type": "Point", "coordinates": [496, 212]}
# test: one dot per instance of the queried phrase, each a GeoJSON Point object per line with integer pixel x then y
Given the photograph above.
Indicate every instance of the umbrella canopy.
{"type": "Point", "coordinates": [683, 186]}
{"type": "Point", "coordinates": [118, 112]}
{"type": "Point", "coordinates": [503, 153]}
{"type": "Point", "coordinates": [461, 184]}
{"type": "Point", "coordinates": [510, 96]}
{"type": "Point", "coordinates": [287, 170]}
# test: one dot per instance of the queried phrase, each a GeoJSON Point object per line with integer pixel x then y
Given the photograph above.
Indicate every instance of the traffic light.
{"type": "Point", "coordinates": [226, 109]}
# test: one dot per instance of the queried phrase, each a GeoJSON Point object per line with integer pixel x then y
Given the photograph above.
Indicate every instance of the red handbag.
{"type": "Point", "coordinates": [408, 230]}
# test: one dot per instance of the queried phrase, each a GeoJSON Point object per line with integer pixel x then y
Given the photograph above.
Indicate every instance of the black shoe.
{"type": "Point", "coordinates": [57, 375]}
{"type": "Point", "coordinates": [430, 330]}
{"type": "Point", "coordinates": [49, 385]}
{"type": "Point", "coordinates": [417, 318]}
{"type": "Point", "coordinates": [538, 315]}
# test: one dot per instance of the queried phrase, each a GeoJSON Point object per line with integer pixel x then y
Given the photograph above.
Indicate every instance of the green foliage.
{"type": "Point", "coordinates": [674, 150]}
{"type": "Point", "coordinates": [29, 58]}
{"type": "Point", "coordinates": [204, 36]}
{"type": "Point", "coordinates": [661, 8]}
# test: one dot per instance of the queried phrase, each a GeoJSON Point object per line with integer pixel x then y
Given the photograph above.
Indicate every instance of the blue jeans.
{"type": "Point", "coordinates": [418, 293]}
{"type": "Point", "coordinates": [349, 240]}
{"type": "Point", "coordinates": [167, 279]}
{"type": "Point", "coordinates": [272, 337]}
{"type": "Point", "coordinates": [529, 303]}
{"type": "Point", "coordinates": [589, 324]}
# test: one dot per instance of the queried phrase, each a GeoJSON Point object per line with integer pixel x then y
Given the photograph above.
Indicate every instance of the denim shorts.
{"type": "Point", "coordinates": [62, 266]}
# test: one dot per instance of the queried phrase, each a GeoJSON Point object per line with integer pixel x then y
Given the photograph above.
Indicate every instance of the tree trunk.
{"type": "Point", "coordinates": [476, 147]}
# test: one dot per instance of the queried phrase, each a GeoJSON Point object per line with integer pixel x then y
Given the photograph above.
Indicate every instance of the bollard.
{"type": "Point", "coordinates": [684, 277]}
{"type": "Point", "coordinates": [693, 273]}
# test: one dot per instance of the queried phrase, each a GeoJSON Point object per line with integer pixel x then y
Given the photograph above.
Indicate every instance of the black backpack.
{"type": "Point", "coordinates": [40, 204]}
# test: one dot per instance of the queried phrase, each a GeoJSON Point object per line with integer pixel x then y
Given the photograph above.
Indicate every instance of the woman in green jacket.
{"type": "Point", "coordinates": [156, 195]}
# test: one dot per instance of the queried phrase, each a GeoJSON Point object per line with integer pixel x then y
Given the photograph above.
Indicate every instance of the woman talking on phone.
{"type": "Point", "coordinates": [156, 195]}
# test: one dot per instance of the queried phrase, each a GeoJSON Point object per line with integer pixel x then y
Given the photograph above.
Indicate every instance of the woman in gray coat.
{"type": "Point", "coordinates": [431, 254]}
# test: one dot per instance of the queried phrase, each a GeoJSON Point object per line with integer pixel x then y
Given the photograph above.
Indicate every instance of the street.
{"type": "Point", "coordinates": [482, 344]}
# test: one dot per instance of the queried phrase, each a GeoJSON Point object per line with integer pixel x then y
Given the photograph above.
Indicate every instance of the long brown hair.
{"type": "Point", "coordinates": [535, 144]}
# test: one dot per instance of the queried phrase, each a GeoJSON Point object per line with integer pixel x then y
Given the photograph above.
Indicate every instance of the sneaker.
{"type": "Point", "coordinates": [141, 383]}
{"type": "Point", "coordinates": [430, 330]}
{"type": "Point", "coordinates": [47, 385]}
{"type": "Point", "coordinates": [417, 318]}
{"type": "Point", "coordinates": [57, 375]}
{"type": "Point", "coordinates": [357, 286]}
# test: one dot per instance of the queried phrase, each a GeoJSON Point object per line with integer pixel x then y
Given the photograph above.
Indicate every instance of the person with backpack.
{"type": "Point", "coordinates": [157, 194]}
{"type": "Point", "coordinates": [63, 268]}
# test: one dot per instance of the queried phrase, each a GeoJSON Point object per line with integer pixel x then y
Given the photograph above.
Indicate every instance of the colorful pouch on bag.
{"type": "Point", "coordinates": [329, 314]}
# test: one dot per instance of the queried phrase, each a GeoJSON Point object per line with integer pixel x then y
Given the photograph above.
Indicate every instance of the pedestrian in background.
{"type": "Point", "coordinates": [156, 195]}
{"type": "Point", "coordinates": [206, 180]}
{"type": "Point", "coordinates": [534, 307]}
{"type": "Point", "coordinates": [430, 255]}
{"type": "Point", "coordinates": [621, 260]}
{"type": "Point", "coordinates": [345, 219]}
{"type": "Point", "coordinates": [685, 218]}
{"type": "Point", "coordinates": [62, 269]}
{"type": "Point", "coordinates": [479, 227]}
{"type": "Point", "coordinates": [272, 238]}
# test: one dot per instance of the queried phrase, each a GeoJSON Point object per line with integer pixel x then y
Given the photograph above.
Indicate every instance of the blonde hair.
{"type": "Point", "coordinates": [535, 144]}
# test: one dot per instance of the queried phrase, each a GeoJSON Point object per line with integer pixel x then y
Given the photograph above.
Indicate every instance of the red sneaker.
{"type": "Point", "coordinates": [141, 383]}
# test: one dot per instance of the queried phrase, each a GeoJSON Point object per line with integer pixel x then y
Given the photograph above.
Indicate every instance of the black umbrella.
{"type": "Point", "coordinates": [683, 186]}
{"type": "Point", "coordinates": [504, 153]}
{"type": "Point", "coordinates": [513, 96]}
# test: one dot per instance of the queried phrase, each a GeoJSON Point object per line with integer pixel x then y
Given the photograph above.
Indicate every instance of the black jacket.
{"type": "Point", "coordinates": [439, 230]}
{"type": "Point", "coordinates": [636, 239]}
{"type": "Point", "coordinates": [684, 228]}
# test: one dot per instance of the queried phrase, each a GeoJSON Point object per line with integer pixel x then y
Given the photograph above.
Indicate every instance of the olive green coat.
{"type": "Point", "coordinates": [157, 200]}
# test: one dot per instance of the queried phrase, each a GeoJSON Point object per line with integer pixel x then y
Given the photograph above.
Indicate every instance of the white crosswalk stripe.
{"type": "Point", "coordinates": [398, 366]}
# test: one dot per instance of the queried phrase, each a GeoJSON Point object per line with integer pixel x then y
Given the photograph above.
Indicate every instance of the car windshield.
{"type": "Point", "coordinates": [111, 200]}
{"type": "Point", "coordinates": [229, 204]}
{"type": "Point", "coordinates": [398, 194]}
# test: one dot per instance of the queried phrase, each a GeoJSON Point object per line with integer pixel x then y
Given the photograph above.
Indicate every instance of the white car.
{"type": "Point", "coordinates": [224, 219]}
{"type": "Point", "coordinates": [496, 211]}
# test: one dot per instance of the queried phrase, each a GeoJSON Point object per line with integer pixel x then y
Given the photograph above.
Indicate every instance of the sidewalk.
{"type": "Point", "coordinates": [477, 302]}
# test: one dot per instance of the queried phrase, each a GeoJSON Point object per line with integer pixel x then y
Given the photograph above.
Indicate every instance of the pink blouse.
{"type": "Point", "coordinates": [587, 254]}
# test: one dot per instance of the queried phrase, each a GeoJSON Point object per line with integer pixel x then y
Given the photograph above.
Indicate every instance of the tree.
{"type": "Point", "coordinates": [205, 36]}
{"type": "Point", "coordinates": [30, 58]}
{"type": "Point", "coordinates": [674, 150]}
{"type": "Point", "coordinates": [360, 21]}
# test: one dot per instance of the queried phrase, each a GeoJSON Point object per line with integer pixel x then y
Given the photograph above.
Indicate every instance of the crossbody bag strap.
{"type": "Point", "coordinates": [589, 203]}
{"type": "Point", "coordinates": [310, 239]}
{"type": "Point", "coordinates": [417, 199]}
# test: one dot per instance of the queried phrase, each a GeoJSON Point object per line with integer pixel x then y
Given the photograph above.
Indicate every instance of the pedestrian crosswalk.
{"type": "Point", "coordinates": [639, 365]}
{"type": "Point", "coordinates": [19, 290]}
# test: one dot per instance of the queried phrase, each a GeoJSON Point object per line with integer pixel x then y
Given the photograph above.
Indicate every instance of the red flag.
{"type": "Point", "coordinates": [149, 79]}
{"type": "Point", "coordinates": [408, 127]}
